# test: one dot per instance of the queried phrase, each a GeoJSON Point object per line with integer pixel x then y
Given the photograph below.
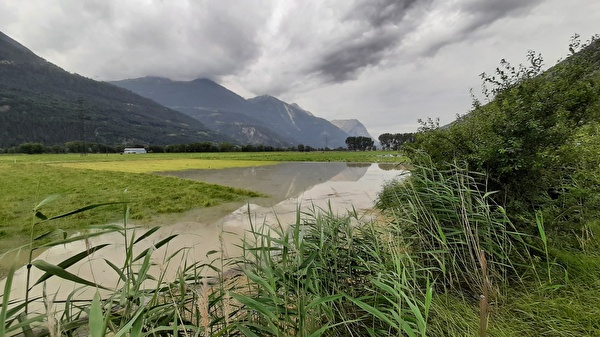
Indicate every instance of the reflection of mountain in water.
{"type": "Point", "coordinates": [353, 172]}
{"type": "Point", "coordinates": [281, 181]}
{"type": "Point", "coordinates": [391, 166]}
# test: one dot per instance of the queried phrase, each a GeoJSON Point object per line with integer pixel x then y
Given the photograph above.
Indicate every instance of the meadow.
{"type": "Point", "coordinates": [443, 259]}
{"type": "Point", "coordinates": [82, 180]}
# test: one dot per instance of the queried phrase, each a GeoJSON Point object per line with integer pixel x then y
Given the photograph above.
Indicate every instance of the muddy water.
{"type": "Point", "coordinates": [287, 187]}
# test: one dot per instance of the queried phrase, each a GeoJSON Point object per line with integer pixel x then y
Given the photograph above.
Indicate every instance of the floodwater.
{"type": "Point", "coordinates": [341, 187]}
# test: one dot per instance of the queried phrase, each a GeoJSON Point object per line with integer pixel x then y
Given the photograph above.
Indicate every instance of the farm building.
{"type": "Point", "coordinates": [134, 150]}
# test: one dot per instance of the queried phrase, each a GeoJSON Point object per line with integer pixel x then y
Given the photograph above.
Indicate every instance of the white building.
{"type": "Point", "coordinates": [134, 150]}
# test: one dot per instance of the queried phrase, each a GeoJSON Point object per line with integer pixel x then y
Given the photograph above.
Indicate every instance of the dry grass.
{"type": "Point", "coordinates": [160, 165]}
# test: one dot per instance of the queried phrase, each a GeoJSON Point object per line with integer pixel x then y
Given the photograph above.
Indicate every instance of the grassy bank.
{"type": "Point", "coordinates": [316, 156]}
{"type": "Point", "coordinates": [416, 271]}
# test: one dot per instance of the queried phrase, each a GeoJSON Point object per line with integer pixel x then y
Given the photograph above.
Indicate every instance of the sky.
{"type": "Point", "coordinates": [386, 63]}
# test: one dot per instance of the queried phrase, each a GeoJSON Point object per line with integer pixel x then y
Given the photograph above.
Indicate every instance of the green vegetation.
{"type": "Point", "coordinates": [98, 178]}
{"type": "Point", "coordinates": [395, 141]}
{"type": "Point", "coordinates": [26, 183]}
{"type": "Point", "coordinates": [534, 138]}
{"type": "Point", "coordinates": [315, 156]}
{"type": "Point", "coordinates": [160, 165]}
{"type": "Point", "coordinates": [493, 233]}
{"type": "Point", "coordinates": [517, 178]}
{"type": "Point", "coordinates": [360, 143]}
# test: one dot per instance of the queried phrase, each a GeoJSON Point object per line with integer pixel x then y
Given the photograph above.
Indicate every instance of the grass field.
{"type": "Point", "coordinates": [317, 156]}
{"type": "Point", "coordinates": [334, 276]}
{"type": "Point", "coordinates": [160, 165]}
{"type": "Point", "coordinates": [25, 180]}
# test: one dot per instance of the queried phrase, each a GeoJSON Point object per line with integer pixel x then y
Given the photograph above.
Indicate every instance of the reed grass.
{"type": "Point", "coordinates": [418, 270]}
{"type": "Point", "coordinates": [451, 219]}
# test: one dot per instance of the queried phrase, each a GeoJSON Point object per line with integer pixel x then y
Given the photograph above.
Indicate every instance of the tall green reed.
{"type": "Point", "coordinates": [141, 302]}
{"type": "Point", "coordinates": [324, 275]}
{"type": "Point", "coordinates": [329, 275]}
{"type": "Point", "coordinates": [450, 218]}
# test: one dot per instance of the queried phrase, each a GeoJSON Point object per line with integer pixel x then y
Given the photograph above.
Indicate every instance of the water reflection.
{"type": "Point", "coordinates": [278, 182]}
{"type": "Point", "coordinates": [338, 186]}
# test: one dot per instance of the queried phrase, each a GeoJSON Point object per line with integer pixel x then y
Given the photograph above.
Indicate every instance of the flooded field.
{"type": "Point", "coordinates": [287, 187]}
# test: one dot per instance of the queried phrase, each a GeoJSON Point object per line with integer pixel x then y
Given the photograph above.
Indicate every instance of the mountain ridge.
{"type": "Point", "coordinates": [272, 121]}
{"type": "Point", "coordinates": [353, 127]}
{"type": "Point", "coordinates": [43, 103]}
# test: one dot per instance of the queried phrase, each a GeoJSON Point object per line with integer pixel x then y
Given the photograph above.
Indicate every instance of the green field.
{"type": "Point", "coordinates": [25, 180]}
{"type": "Point", "coordinates": [317, 156]}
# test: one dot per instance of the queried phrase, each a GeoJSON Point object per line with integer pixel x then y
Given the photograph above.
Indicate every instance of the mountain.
{"type": "Point", "coordinates": [297, 124]}
{"type": "Point", "coordinates": [210, 103]}
{"type": "Point", "coordinates": [196, 93]}
{"type": "Point", "coordinates": [352, 127]}
{"type": "Point", "coordinates": [265, 119]}
{"type": "Point", "coordinates": [40, 102]}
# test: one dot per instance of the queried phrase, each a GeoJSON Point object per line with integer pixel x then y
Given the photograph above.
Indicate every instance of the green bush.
{"type": "Point", "coordinates": [520, 136]}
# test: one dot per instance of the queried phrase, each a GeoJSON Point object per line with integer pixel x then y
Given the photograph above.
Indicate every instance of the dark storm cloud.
{"type": "Point", "coordinates": [381, 12]}
{"type": "Point", "coordinates": [379, 29]}
{"type": "Point", "coordinates": [489, 11]}
{"type": "Point", "coordinates": [345, 62]}
{"type": "Point", "coordinates": [201, 39]}
{"type": "Point", "coordinates": [476, 15]}
{"type": "Point", "coordinates": [113, 39]}
{"type": "Point", "coordinates": [382, 25]}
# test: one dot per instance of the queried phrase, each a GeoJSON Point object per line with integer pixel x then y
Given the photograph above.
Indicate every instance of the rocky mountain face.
{"type": "Point", "coordinates": [215, 106]}
{"type": "Point", "coordinates": [260, 120]}
{"type": "Point", "coordinates": [297, 124]}
{"type": "Point", "coordinates": [352, 127]}
{"type": "Point", "coordinates": [40, 102]}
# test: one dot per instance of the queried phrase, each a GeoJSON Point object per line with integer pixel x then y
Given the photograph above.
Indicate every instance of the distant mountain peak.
{"type": "Point", "coordinates": [265, 118]}
{"type": "Point", "coordinates": [205, 80]}
{"type": "Point", "coordinates": [352, 127]}
{"type": "Point", "coordinates": [266, 97]}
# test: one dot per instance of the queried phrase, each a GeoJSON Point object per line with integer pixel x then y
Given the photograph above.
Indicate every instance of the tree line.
{"type": "Point", "coordinates": [91, 147]}
{"type": "Point", "coordinates": [360, 143]}
{"type": "Point", "coordinates": [395, 141]}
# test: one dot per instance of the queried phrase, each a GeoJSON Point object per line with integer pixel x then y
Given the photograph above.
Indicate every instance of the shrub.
{"type": "Point", "coordinates": [517, 137]}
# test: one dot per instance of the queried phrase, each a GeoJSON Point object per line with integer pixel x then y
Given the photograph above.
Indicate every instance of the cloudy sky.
{"type": "Point", "coordinates": [386, 63]}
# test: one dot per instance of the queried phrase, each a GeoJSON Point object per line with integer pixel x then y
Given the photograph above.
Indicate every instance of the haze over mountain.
{"type": "Point", "coordinates": [264, 119]}
{"type": "Point", "coordinates": [40, 102]}
{"type": "Point", "coordinates": [352, 127]}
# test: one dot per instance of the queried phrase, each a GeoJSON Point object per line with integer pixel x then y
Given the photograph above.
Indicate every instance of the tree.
{"type": "Point", "coordinates": [395, 141]}
{"type": "Point", "coordinates": [385, 140]}
{"type": "Point", "coordinates": [517, 137]}
{"type": "Point", "coordinates": [359, 143]}
{"type": "Point", "coordinates": [31, 148]}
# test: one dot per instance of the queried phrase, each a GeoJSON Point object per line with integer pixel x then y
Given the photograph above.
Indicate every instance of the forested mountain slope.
{"type": "Point", "coordinates": [260, 120]}
{"type": "Point", "coordinates": [40, 102]}
{"type": "Point", "coordinates": [212, 104]}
